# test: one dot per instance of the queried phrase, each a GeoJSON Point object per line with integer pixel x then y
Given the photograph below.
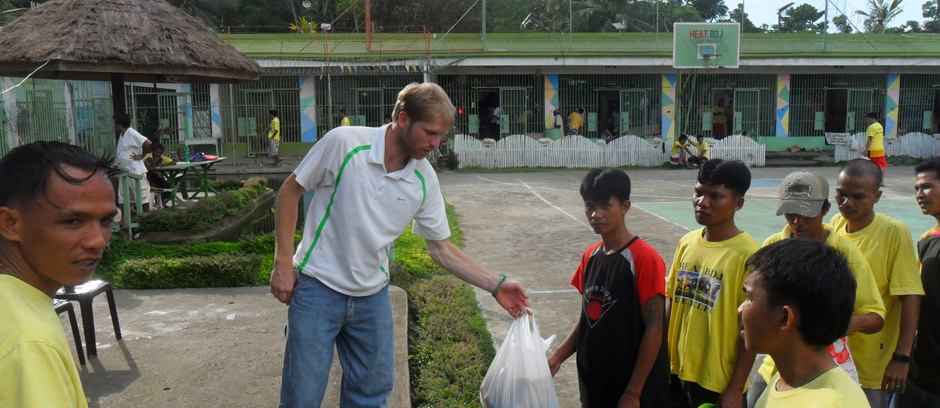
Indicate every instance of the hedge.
{"type": "Point", "coordinates": [206, 211]}
{"type": "Point", "coordinates": [449, 345]}
{"type": "Point", "coordinates": [216, 271]}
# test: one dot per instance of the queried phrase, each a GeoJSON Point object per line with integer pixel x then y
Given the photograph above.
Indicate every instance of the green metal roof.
{"type": "Point", "coordinates": [397, 46]}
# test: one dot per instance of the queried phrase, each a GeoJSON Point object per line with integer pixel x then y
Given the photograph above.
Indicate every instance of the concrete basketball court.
{"type": "Point", "coordinates": [532, 227]}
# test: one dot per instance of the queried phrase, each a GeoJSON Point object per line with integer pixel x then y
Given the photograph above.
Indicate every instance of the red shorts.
{"type": "Point", "coordinates": [880, 161]}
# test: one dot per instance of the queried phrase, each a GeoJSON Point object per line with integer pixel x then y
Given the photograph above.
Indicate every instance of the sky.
{"type": "Point", "coordinates": [765, 11]}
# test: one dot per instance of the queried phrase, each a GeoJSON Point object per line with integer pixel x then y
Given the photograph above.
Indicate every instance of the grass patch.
{"type": "Point", "coordinates": [449, 345]}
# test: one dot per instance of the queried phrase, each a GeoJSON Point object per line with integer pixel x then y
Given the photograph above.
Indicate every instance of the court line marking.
{"type": "Point", "coordinates": [532, 190]}
{"type": "Point", "coordinates": [662, 218]}
{"type": "Point", "coordinates": [550, 291]}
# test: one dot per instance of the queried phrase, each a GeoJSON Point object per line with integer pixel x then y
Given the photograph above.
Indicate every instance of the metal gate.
{"type": "Point", "coordinates": [634, 116]}
{"type": "Point", "coordinates": [859, 103]}
{"type": "Point", "coordinates": [514, 104]}
{"type": "Point", "coordinates": [255, 118]}
{"type": "Point", "coordinates": [747, 111]}
{"type": "Point", "coordinates": [370, 107]}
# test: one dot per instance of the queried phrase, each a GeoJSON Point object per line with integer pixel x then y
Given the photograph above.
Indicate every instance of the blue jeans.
{"type": "Point", "coordinates": [361, 329]}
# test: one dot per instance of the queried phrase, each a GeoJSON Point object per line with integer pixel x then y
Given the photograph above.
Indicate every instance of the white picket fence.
{"type": "Point", "coordinates": [569, 152]}
{"type": "Point", "coordinates": [741, 148]}
{"type": "Point", "coordinates": [915, 144]}
{"type": "Point", "coordinates": [579, 152]}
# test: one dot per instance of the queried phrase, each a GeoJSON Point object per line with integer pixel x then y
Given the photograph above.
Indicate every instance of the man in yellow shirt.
{"type": "Point", "coordinates": [701, 147]}
{"type": "Point", "coordinates": [881, 358]}
{"type": "Point", "coordinates": [680, 152]}
{"type": "Point", "coordinates": [719, 120]}
{"type": "Point", "coordinates": [804, 201]}
{"type": "Point", "coordinates": [875, 142]}
{"type": "Point", "coordinates": [575, 122]}
{"type": "Point", "coordinates": [703, 292]}
{"type": "Point", "coordinates": [799, 299]}
{"type": "Point", "coordinates": [344, 118]}
{"type": "Point", "coordinates": [56, 210]}
{"type": "Point", "coordinates": [274, 138]}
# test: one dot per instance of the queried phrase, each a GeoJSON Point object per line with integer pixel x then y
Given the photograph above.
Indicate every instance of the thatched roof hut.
{"type": "Point", "coordinates": [144, 40]}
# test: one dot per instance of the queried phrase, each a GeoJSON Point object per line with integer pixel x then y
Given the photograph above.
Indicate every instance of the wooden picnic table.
{"type": "Point", "coordinates": [175, 174]}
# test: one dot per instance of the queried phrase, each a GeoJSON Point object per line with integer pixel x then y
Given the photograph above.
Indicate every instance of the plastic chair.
{"type": "Point", "coordinates": [66, 306]}
{"type": "Point", "coordinates": [84, 294]}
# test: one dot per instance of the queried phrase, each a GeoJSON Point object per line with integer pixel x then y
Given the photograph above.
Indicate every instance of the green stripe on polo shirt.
{"type": "Point", "coordinates": [326, 215]}
{"type": "Point", "coordinates": [424, 187]}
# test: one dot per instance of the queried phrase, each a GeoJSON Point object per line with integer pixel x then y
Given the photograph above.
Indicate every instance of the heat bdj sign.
{"type": "Point", "coordinates": [706, 45]}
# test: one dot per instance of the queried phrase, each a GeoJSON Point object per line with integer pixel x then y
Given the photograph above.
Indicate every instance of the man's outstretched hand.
{"type": "Point", "coordinates": [512, 297]}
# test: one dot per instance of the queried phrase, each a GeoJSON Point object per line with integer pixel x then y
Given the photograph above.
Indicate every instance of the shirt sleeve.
{"type": "Point", "coordinates": [905, 274]}
{"type": "Point", "coordinates": [578, 279]}
{"type": "Point", "coordinates": [867, 298]}
{"type": "Point", "coordinates": [431, 219]}
{"type": "Point", "coordinates": [673, 270]}
{"type": "Point", "coordinates": [35, 375]}
{"type": "Point", "coordinates": [322, 163]}
{"type": "Point", "coordinates": [650, 274]}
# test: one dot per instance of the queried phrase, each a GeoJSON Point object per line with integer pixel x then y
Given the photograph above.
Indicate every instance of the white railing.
{"type": "Point", "coordinates": [569, 152]}
{"type": "Point", "coordinates": [915, 144]}
{"type": "Point", "coordinates": [579, 152]}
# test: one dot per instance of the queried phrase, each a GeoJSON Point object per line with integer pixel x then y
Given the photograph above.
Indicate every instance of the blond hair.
{"type": "Point", "coordinates": [423, 102]}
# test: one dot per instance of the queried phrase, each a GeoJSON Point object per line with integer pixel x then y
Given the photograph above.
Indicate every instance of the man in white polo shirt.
{"type": "Point", "coordinates": [370, 184]}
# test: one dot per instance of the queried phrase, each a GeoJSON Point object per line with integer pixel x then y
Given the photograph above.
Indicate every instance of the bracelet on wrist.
{"type": "Point", "coordinates": [901, 358]}
{"type": "Point", "coordinates": [498, 285]}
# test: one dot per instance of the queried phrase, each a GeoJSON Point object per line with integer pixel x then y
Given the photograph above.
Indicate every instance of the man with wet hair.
{"type": "Point", "coordinates": [619, 335]}
{"type": "Point", "coordinates": [881, 358]}
{"type": "Point", "coordinates": [703, 290]}
{"type": "Point", "coordinates": [800, 298]}
{"type": "Point", "coordinates": [370, 183]}
{"type": "Point", "coordinates": [56, 211]}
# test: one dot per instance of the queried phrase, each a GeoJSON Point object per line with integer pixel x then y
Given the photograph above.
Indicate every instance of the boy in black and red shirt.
{"type": "Point", "coordinates": [619, 336]}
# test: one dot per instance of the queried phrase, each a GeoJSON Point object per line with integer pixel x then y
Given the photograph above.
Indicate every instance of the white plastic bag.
{"type": "Point", "coordinates": [519, 376]}
{"type": "Point", "coordinates": [853, 143]}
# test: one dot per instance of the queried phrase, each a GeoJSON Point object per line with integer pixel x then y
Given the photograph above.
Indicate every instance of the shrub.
{"type": "Point", "coordinates": [207, 211]}
{"type": "Point", "coordinates": [192, 272]}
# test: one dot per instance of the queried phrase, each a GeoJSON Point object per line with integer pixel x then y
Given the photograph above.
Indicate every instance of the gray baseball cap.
{"type": "Point", "coordinates": [802, 193]}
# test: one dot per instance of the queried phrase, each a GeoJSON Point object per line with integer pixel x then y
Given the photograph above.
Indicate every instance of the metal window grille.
{"type": "Point", "coordinates": [624, 104]}
{"type": "Point", "coordinates": [519, 97]}
{"type": "Point", "coordinates": [833, 103]}
{"type": "Point", "coordinates": [919, 104]}
{"type": "Point", "coordinates": [749, 104]}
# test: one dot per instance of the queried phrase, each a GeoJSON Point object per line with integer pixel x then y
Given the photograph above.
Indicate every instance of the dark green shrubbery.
{"type": "Point", "coordinates": [217, 271]}
{"type": "Point", "coordinates": [207, 211]}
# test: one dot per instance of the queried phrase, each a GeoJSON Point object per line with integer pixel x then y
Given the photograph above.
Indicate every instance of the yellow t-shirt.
{"type": "Point", "coordinates": [574, 120]}
{"type": "Point", "coordinates": [163, 159]}
{"type": "Point", "coordinates": [877, 134]}
{"type": "Point", "coordinates": [887, 245]}
{"type": "Point", "coordinates": [703, 324]}
{"type": "Point", "coordinates": [36, 365]}
{"type": "Point", "coordinates": [344, 122]}
{"type": "Point", "coordinates": [832, 389]}
{"type": "Point", "coordinates": [718, 114]}
{"type": "Point", "coordinates": [675, 148]}
{"type": "Point", "coordinates": [702, 148]}
{"type": "Point", "coordinates": [275, 131]}
{"type": "Point", "coordinates": [867, 298]}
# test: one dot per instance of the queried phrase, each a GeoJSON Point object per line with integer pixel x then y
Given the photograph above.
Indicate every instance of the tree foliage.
{"type": "Point", "coordinates": [710, 10]}
{"type": "Point", "coordinates": [879, 14]}
{"type": "Point", "coordinates": [803, 18]}
{"type": "Point", "coordinates": [842, 24]}
{"type": "Point", "coordinates": [747, 26]}
{"type": "Point", "coordinates": [931, 13]}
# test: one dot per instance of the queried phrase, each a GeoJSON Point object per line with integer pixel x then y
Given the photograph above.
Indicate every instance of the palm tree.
{"type": "Point", "coordinates": [879, 14]}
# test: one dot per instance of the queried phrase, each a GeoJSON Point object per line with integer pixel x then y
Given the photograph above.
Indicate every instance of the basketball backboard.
{"type": "Point", "coordinates": [706, 45]}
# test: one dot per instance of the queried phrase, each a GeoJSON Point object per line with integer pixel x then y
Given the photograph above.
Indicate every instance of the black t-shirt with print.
{"type": "Point", "coordinates": [611, 329]}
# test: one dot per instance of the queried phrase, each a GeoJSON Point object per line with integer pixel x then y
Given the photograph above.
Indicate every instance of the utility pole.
{"type": "Point", "coordinates": [826, 28]}
{"type": "Point", "coordinates": [571, 23]}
